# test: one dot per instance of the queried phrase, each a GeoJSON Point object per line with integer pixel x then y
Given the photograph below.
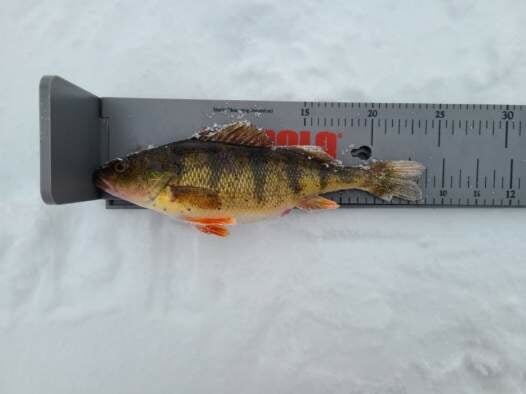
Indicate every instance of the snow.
{"type": "Point", "coordinates": [350, 301]}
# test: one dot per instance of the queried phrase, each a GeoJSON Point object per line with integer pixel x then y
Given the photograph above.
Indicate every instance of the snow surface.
{"type": "Point", "coordinates": [352, 301]}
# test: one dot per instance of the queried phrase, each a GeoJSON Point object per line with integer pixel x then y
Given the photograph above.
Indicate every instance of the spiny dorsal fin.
{"type": "Point", "coordinates": [240, 133]}
{"type": "Point", "coordinates": [313, 152]}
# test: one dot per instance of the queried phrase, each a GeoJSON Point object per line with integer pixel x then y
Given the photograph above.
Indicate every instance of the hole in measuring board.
{"type": "Point", "coordinates": [363, 152]}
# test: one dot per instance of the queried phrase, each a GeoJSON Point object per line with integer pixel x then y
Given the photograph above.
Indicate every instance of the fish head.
{"type": "Point", "coordinates": [137, 178]}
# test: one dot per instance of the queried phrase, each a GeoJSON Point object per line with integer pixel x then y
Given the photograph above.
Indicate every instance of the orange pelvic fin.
{"type": "Point", "coordinates": [214, 229]}
{"type": "Point", "coordinates": [317, 202]}
{"type": "Point", "coordinates": [227, 220]}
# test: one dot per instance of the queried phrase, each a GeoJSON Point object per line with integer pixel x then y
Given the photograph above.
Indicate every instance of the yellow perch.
{"type": "Point", "coordinates": [234, 174]}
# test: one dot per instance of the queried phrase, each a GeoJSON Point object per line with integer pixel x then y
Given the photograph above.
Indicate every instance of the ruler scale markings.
{"type": "Point", "coordinates": [477, 174]}
{"type": "Point", "coordinates": [506, 136]}
{"type": "Point", "coordinates": [443, 173]}
{"type": "Point", "coordinates": [439, 131]}
{"type": "Point", "coordinates": [494, 178]}
{"type": "Point", "coordinates": [372, 133]}
{"type": "Point", "coordinates": [511, 174]}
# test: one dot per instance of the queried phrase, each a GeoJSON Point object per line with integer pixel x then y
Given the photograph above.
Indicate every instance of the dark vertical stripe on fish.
{"type": "Point", "coordinates": [323, 176]}
{"type": "Point", "coordinates": [258, 167]}
{"type": "Point", "coordinates": [215, 163]}
{"type": "Point", "coordinates": [177, 168]}
{"type": "Point", "coordinates": [293, 175]}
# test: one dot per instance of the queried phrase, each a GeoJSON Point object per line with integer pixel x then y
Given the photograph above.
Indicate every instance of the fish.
{"type": "Point", "coordinates": [230, 174]}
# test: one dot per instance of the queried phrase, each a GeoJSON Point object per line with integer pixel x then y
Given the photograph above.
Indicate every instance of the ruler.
{"type": "Point", "coordinates": [475, 155]}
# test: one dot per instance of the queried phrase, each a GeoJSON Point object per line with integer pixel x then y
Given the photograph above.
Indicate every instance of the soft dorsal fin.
{"type": "Point", "coordinates": [240, 133]}
{"type": "Point", "coordinates": [313, 152]}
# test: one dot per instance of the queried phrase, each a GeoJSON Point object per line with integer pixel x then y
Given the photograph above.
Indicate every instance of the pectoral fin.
{"type": "Point", "coordinates": [199, 197]}
{"type": "Point", "coordinates": [317, 202]}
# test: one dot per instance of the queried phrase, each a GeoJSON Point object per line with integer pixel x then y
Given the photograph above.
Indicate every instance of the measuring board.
{"type": "Point", "coordinates": [475, 155]}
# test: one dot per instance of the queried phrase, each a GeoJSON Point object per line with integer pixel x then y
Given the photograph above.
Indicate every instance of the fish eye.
{"type": "Point", "coordinates": [120, 166]}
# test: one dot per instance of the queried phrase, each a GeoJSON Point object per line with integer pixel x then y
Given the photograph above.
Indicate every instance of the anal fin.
{"type": "Point", "coordinates": [214, 229]}
{"type": "Point", "coordinates": [317, 202]}
{"type": "Point", "coordinates": [220, 221]}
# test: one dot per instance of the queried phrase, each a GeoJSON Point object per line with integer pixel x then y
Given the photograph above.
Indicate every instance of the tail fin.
{"type": "Point", "coordinates": [388, 179]}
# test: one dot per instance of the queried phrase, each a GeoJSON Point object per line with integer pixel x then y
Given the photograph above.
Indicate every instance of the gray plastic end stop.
{"type": "Point", "coordinates": [70, 141]}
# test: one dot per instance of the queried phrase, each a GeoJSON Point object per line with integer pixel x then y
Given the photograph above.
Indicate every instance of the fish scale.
{"type": "Point", "coordinates": [475, 155]}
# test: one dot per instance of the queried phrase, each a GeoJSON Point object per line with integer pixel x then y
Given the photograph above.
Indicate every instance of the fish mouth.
{"type": "Point", "coordinates": [102, 183]}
